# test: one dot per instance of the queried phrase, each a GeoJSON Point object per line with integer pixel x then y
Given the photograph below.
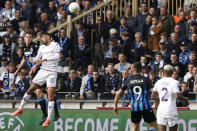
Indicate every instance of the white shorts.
{"type": "Point", "coordinates": [170, 122]}
{"type": "Point", "coordinates": [44, 76]}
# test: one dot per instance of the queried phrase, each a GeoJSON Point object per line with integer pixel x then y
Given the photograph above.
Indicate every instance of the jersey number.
{"type": "Point", "coordinates": [165, 90]}
{"type": "Point", "coordinates": [137, 90]}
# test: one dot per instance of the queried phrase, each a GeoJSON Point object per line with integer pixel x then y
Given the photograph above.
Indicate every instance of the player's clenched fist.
{"type": "Point", "coordinates": [116, 110]}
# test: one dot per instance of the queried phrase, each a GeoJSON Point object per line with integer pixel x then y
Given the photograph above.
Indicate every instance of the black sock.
{"type": "Point", "coordinates": [55, 107]}
{"type": "Point", "coordinates": [42, 103]}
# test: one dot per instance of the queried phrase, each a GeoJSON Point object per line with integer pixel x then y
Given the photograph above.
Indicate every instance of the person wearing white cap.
{"type": "Point", "coordinates": [168, 91]}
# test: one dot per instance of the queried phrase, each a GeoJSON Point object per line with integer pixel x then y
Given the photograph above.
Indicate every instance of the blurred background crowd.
{"type": "Point", "coordinates": [155, 37]}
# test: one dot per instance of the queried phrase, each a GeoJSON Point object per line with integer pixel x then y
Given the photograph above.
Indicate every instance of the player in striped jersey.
{"type": "Point", "coordinates": [139, 91]}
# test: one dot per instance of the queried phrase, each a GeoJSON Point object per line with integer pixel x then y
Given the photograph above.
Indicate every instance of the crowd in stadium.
{"type": "Point", "coordinates": [154, 38]}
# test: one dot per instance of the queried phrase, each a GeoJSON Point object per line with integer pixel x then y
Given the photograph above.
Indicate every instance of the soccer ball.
{"type": "Point", "coordinates": [74, 7]}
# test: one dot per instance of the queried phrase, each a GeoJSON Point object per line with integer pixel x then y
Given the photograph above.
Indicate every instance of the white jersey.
{"type": "Point", "coordinates": [166, 87]}
{"type": "Point", "coordinates": [51, 54]}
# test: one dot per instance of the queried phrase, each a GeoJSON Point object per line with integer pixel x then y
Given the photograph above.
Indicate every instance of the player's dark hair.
{"type": "Point", "coordinates": [137, 67]}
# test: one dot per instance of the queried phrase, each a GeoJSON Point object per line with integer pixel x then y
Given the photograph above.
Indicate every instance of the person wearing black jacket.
{"type": "Point", "coordinates": [52, 11]}
{"type": "Point", "coordinates": [73, 83]}
{"type": "Point", "coordinates": [112, 79]}
{"type": "Point", "coordinates": [66, 45]}
{"type": "Point", "coordinates": [126, 46]}
{"type": "Point", "coordinates": [82, 53]}
{"type": "Point", "coordinates": [96, 84]}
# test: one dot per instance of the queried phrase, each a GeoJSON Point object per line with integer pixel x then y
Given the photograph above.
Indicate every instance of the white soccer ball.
{"type": "Point", "coordinates": [74, 7]}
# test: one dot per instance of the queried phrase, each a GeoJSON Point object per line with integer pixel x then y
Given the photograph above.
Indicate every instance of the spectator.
{"type": "Point", "coordinates": [138, 42]}
{"type": "Point", "coordinates": [192, 57]}
{"type": "Point", "coordinates": [192, 79]}
{"type": "Point", "coordinates": [164, 51]}
{"type": "Point", "coordinates": [79, 30]}
{"type": "Point", "coordinates": [184, 55]}
{"type": "Point", "coordinates": [177, 65]}
{"type": "Point", "coordinates": [122, 65]}
{"type": "Point", "coordinates": [177, 30]}
{"type": "Point", "coordinates": [153, 77]}
{"type": "Point", "coordinates": [23, 27]}
{"type": "Point", "coordinates": [62, 64]}
{"type": "Point", "coordinates": [73, 83]}
{"type": "Point", "coordinates": [152, 11]}
{"type": "Point", "coordinates": [141, 17]}
{"type": "Point", "coordinates": [112, 80]}
{"type": "Point", "coordinates": [4, 65]}
{"type": "Point", "coordinates": [125, 28]}
{"type": "Point", "coordinates": [15, 22]}
{"type": "Point", "coordinates": [7, 14]}
{"type": "Point", "coordinates": [125, 75]}
{"type": "Point", "coordinates": [192, 45]}
{"type": "Point", "coordinates": [7, 48]}
{"type": "Point", "coordinates": [110, 52]}
{"type": "Point", "coordinates": [96, 84]}
{"type": "Point", "coordinates": [113, 35]}
{"type": "Point", "coordinates": [20, 42]}
{"type": "Point", "coordinates": [17, 58]}
{"type": "Point", "coordinates": [193, 20]}
{"type": "Point", "coordinates": [131, 20]}
{"type": "Point", "coordinates": [145, 70]}
{"type": "Point", "coordinates": [63, 17]}
{"type": "Point", "coordinates": [189, 73]}
{"type": "Point", "coordinates": [110, 21]}
{"type": "Point", "coordinates": [80, 72]}
{"type": "Point", "coordinates": [167, 21]}
{"type": "Point", "coordinates": [101, 36]}
{"type": "Point", "coordinates": [44, 21]}
{"type": "Point", "coordinates": [82, 53]}
{"type": "Point", "coordinates": [183, 23]}
{"type": "Point", "coordinates": [26, 12]}
{"type": "Point", "coordinates": [12, 33]}
{"type": "Point", "coordinates": [86, 80]}
{"type": "Point", "coordinates": [143, 51]}
{"type": "Point", "coordinates": [146, 27]}
{"type": "Point", "coordinates": [184, 92]}
{"type": "Point", "coordinates": [126, 46]}
{"type": "Point", "coordinates": [154, 36]}
{"type": "Point", "coordinates": [164, 37]}
{"type": "Point", "coordinates": [52, 10]}
{"type": "Point", "coordinates": [36, 29]}
{"type": "Point", "coordinates": [6, 79]}
{"type": "Point", "coordinates": [175, 75]}
{"type": "Point", "coordinates": [158, 63]}
{"type": "Point", "coordinates": [23, 85]}
{"type": "Point", "coordinates": [174, 44]}
{"type": "Point", "coordinates": [66, 46]}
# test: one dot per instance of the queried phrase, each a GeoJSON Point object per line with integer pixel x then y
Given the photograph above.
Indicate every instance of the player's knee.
{"type": "Point", "coordinates": [39, 93]}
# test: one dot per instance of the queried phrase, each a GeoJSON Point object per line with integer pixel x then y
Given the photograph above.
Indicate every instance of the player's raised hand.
{"type": "Point", "coordinates": [116, 110]}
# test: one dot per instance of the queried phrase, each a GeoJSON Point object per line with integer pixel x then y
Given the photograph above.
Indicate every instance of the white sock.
{"type": "Point", "coordinates": [26, 97]}
{"type": "Point", "coordinates": [50, 109]}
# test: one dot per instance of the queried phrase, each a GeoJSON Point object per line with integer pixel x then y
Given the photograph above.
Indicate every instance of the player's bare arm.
{"type": "Point", "coordinates": [117, 97]}
{"type": "Point", "coordinates": [155, 96]}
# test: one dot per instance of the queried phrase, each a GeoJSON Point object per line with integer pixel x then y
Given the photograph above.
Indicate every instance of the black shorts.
{"type": "Point", "coordinates": [148, 116]}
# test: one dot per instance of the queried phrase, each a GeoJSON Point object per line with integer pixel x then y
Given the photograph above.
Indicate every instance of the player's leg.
{"type": "Point", "coordinates": [150, 118]}
{"type": "Point", "coordinates": [51, 103]}
{"type": "Point", "coordinates": [174, 128]}
{"type": "Point", "coordinates": [42, 102]}
{"type": "Point", "coordinates": [57, 116]}
{"type": "Point", "coordinates": [25, 99]}
{"type": "Point", "coordinates": [162, 122]}
{"type": "Point", "coordinates": [135, 119]}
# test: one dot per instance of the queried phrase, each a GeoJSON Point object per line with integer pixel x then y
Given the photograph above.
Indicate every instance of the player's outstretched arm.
{"type": "Point", "coordinates": [117, 97]}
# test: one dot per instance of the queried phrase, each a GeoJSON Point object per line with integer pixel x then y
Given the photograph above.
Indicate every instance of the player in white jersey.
{"type": "Point", "coordinates": [48, 55]}
{"type": "Point", "coordinates": [168, 91]}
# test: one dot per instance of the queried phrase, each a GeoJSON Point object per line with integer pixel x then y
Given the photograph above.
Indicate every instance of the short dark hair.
{"type": "Point", "coordinates": [137, 67]}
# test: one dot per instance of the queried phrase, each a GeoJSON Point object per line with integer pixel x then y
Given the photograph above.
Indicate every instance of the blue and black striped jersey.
{"type": "Point", "coordinates": [139, 91]}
